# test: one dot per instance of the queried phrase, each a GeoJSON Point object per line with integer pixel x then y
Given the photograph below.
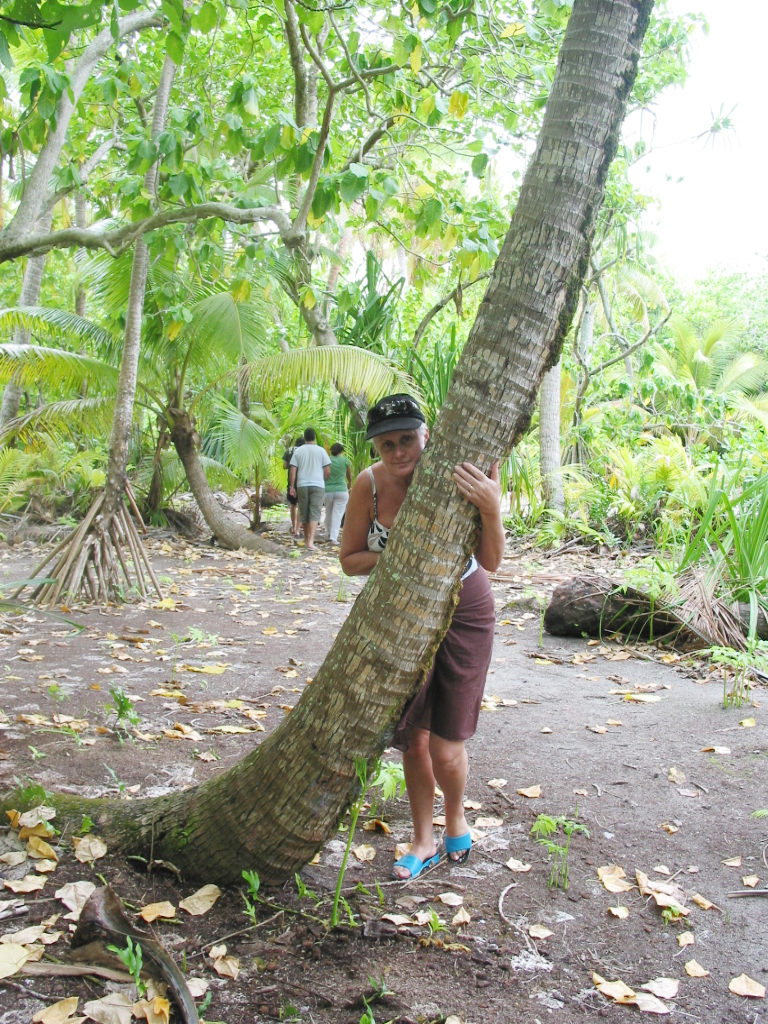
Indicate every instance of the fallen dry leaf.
{"type": "Point", "coordinates": [702, 901]}
{"type": "Point", "coordinates": [540, 931]}
{"type": "Point", "coordinates": [377, 825]}
{"type": "Point", "coordinates": [401, 849]}
{"type": "Point", "coordinates": [396, 919]}
{"type": "Point", "coordinates": [74, 895]}
{"type": "Point", "coordinates": [497, 783]}
{"type": "Point", "coordinates": [669, 826]}
{"type": "Point", "coordinates": [57, 1013]}
{"type": "Point", "coordinates": [517, 865]}
{"type": "Point", "coordinates": [227, 967]}
{"type": "Point", "coordinates": [750, 881]}
{"type": "Point", "coordinates": [715, 750]}
{"type": "Point", "coordinates": [664, 988]}
{"type": "Point", "coordinates": [38, 815]}
{"type": "Point", "coordinates": [746, 987]}
{"type": "Point", "coordinates": [200, 902]}
{"type": "Point", "coordinates": [29, 883]}
{"type": "Point", "coordinates": [685, 939]}
{"type": "Point", "coordinates": [472, 805]}
{"type": "Point", "coordinates": [675, 776]}
{"type": "Point", "coordinates": [614, 722]}
{"type": "Point", "coordinates": [621, 912]}
{"type": "Point", "coordinates": [45, 867]}
{"type": "Point", "coordinates": [615, 990]}
{"type": "Point", "coordinates": [154, 1011]}
{"type": "Point", "coordinates": [461, 917]}
{"type": "Point", "coordinates": [38, 849]}
{"type": "Point", "coordinates": [364, 852]}
{"type": "Point", "coordinates": [197, 987]}
{"type": "Point", "coordinates": [531, 792]}
{"type": "Point", "coordinates": [14, 858]}
{"type": "Point", "coordinates": [643, 698]}
{"type": "Point", "coordinates": [546, 730]}
{"type": "Point", "coordinates": [580, 792]}
{"type": "Point", "coordinates": [662, 869]}
{"type": "Point", "coordinates": [694, 970]}
{"type": "Point", "coordinates": [646, 1002]}
{"type": "Point", "coordinates": [89, 848]}
{"type": "Point", "coordinates": [450, 899]}
{"type": "Point", "coordinates": [489, 822]}
{"type": "Point", "coordinates": [113, 1008]}
{"type": "Point", "coordinates": [13, 956]}
{"type": "Point", "coordinates": [614, 878]}
{"type": "Point", "coordinates": [24, 937]}
{"type": "Point", "coordinates": [732, 862]}
{"type": "Point", "coordinates": [599, 729]}
{"type": "Point", "coordinates": [747, 723]}
{"type": "Point", "coordinates": [153, 911]}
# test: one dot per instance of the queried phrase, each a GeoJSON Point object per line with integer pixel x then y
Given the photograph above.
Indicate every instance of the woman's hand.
{"type": "Point", "coordinates": [481, 491]}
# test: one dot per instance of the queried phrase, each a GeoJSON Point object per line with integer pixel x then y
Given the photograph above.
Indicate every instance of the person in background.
{"type": "Point", "coordinates": [293, 501]}
{"type": "Point", "coordinates": [337, 491]}
{"type": "Point", "coordinates": [310, 467]}
{"type": "Point", "coordinates": [444, 713]}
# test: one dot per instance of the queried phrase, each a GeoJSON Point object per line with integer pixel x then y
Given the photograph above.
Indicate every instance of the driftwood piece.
{"type": "Point", "coordinates": [597, 606]}
{"type": "Point", "coordinates": [102, 919]}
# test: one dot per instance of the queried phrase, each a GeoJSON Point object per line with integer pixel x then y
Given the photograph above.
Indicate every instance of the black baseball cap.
{"type": "Point", "coordinates": [395, 412]}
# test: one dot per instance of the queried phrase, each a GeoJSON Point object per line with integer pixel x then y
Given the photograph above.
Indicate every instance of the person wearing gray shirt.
{"type": "Point", "coordinates": [311, 465]}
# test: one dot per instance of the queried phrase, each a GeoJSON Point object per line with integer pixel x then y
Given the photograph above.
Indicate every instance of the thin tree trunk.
{"type": "Point", "coordinates": [129, 364]}
{"type": "Point", "coordinates": [228, 534]}
{"type": "Point", "coordinates": [277, 806]}
{"type": "Point", "coordinates": [549, 440]}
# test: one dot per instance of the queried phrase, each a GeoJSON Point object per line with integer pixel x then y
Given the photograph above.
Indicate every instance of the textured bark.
{"type": "Point", "coordinates": [596, 606]}
{"type": "Point", "coordinates": [228, 534]}
{"type": "Point", "coordinates": [129, 364]}
{"type": "Point", "coordinates": [276, 807]}
{"type": "Point", "coordinates": [549, 440]}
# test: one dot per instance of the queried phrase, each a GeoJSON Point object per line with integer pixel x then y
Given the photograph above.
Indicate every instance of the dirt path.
{"type": "Point", "coordinates": [256, 629]}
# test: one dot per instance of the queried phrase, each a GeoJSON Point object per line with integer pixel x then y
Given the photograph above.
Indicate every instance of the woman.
{"type": "Point", "coordinates": [337, 491]}
{"type": "Point", "coordinates": [293, 501]}
{"type": "Point", "coordinates": [444, 713]}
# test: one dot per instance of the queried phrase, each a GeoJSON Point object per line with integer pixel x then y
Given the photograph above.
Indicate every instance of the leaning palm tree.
{"type": "Point", "coordinates": [179, 377]}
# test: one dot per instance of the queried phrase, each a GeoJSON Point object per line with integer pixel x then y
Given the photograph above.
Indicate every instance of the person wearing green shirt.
{"type": "Point", "coordinates": [337, 491]}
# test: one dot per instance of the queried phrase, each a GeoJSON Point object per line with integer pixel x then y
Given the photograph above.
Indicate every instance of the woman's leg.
{"type": "Point", "coordinates": [338, 507]}
{"type": "Point", "coordinates": [450, 764]}
{"type": "Point", "coordinates": [420, 785]}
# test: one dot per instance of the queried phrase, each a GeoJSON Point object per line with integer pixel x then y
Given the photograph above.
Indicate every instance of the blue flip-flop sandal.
{"type": "Point", "coordinates": [412, 863]}
{"type": "Point", "coordinates": [459, 844]}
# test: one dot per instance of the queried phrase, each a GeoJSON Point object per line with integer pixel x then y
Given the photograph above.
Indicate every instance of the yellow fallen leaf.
{"type": "Point", "coordinates": [14, 858]}
{"type": "Point", "coordinates": [269, 631]}
{"type": "Point", "coordinates": [614, 721]}
{"type": "Point", "coordinates": [542, 661]}
{"type": "Point", "coordinates": [227, 967]}
{"type": "Point", "coordinates": [38, 849]}
{"type": "Point", "coordinates": [113, 1008]}
{"type": "Point", "coordinates": [154, 1011]}
{"type": "Point", "coordinates": [472, 805]}
{"type": "Point", "coordinates": [12, 958]}
{"type": "Point", "coordinates": [685, 939]}
{"type": "Point", "coordinates": [166, 605]}
{"type": "Point", "coordinates": [614, 878]}
{"type": "Point", "coordinates": [702, 901]}
{"type": "Point", "coordinates": [750, 881]}
{"type": "Point", "coordinates": [621, 912]}
{"type": "Point", "coordinates": [599, 729]}
{"type": "Point", "coordinates": [715, 750]}
{"type": "Point", "coordinates": [38, 815]}
{"type": "Point", "coordinates": [517, 865]}
{"type": "Point", "coordinates": [88, 848]}
{"type": "Point", "coordinates": [200, 902]}
{"type": "Point", "coordinates": [695, 970]}
{"type": "Point", "coordinates": [668, 826]}
{"type": "Point", "coordinates": [647, 1002]}
{"type": "Point", "coordinates": [401, 849]}
{"type": "Point", "coordinates": [676, 776]}
{"type": "Point", "coordinates": [461, 917]}
{"type": "Point", "coordinates": [662, 869]}
{"type": "Point", "coordinates": [57, 1013]}
{"type": "Point", "coordinates": [745, 986]}
{"type": "Point", "coordinates": [732, 862]}
{"type": "Point", "coordinates": [540, 931]}
{"type": "Point", "coordinates": [152, 911]}
{"type": "Point", "coordinates": [377, 825]}
{"type": "Point", "coordinates": [207, 670]}
{"type": "Point", "coordinates": [25, 937]}
{"type": "Point", "coordinates": [531, 792]}
{"type": "Point", "coordinates": [615, 990]}
{"type": "Point", "coordinates": [197, 987]}
{"type": "Point", "coordinates": [747, 723]}
{"type": "Point", "coordinates": [364, 852]}
{"type": "Point", "coordinates": [450, 899]}
{"type": "Point", "coordinates": [236, 730]}
{"type": "Point", "coordinates": [497, 783]}
{"type": "Point", "coordinates": [489, 822]}
{"type": "Point", "coordinates": [664, 988]}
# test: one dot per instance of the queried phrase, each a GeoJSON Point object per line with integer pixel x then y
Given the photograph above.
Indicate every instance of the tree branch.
{"type": "Point", "coordinates": [441, 304]}
{"type": "Point", "coordinates": [633, 348]}
{"type": "Point", "coordinates": [297, 64]}
{"type": "Point", "coordinates": [119, 239]}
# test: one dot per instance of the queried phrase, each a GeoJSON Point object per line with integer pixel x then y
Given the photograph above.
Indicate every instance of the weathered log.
{"type": "Point", "coordinates": [597, 606]}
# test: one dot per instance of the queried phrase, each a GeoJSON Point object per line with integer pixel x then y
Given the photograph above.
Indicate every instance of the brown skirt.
{"type": "Point", "coordinates": [448, 704]}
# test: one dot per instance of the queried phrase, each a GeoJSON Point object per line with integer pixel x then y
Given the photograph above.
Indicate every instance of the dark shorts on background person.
{"type": "Point", "coordinates": [292, 499]}
{"type": "Point", "coordinates": [448, 704]}
{"type": "Point", "coordinates": [311, 501]}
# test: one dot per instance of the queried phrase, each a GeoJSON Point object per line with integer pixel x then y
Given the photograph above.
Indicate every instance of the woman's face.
{"type": "Point", "coordinates": [400, 450]}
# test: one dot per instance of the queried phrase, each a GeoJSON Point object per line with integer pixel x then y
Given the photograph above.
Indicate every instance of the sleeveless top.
{"type": "Point", "coordinates": [378, 534]}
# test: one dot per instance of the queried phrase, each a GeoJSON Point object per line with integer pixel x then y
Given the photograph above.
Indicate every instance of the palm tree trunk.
{"type": "Point", "coordinates": [228, 534]}
{"type": "Point", "coordinates": [549, 440]}
{"type": "Point", "coordinates": [277, 806]}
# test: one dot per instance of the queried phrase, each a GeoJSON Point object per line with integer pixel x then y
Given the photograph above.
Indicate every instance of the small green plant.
{"type": "Point", "coordinates": [289, 1012]}
{"type": "Point", "coordinates": [671, 915]}
{"type": "Point", "coordinates": [342, 596]}
{"type": "Point", "coordinates": [87, 825]}
{"type": "Point", "coordinates": [742, 664]}
{"type": "Point", "coordinates": [37, 755]}
{"type": "Point", "coordinates": [546, 826]}
{"type": "Point", "coordinates": [760, 813]}
{"type": "Point", "coordinates": [435, 923]}
{"type": "Point", "coordinates": [304, 892]}
{"type": "Point", "coordinates": [380, 894]}
{"type": "Point", "coordinates": [117, 781]}
{"type": "Point", "coordinates": [56, 693]}
{"type": "Point", "coordinates": [252, 896]}
{"type": "Point", "coordinates": [123, 706]}
{"type": "Point", "coordinates": [361, 770]}
{"type": "Point", "coordinates": [133, 958]}
{"type": "Point", "coordinates": [367, 1017]}
{"type": "Point", "coordinates": [389, 781]}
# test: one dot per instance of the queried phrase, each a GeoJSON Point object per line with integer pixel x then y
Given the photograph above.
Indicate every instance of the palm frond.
{"type": "Point", "coordinates": [64, 419]}
{"type": "Point", "coordinates": [56, 323]}
{"type": "Point", "coordinates": [348, 368]}
{"type": "Point", "coordinates": [243, 444]}
{"type": "Point", "coordinates": [55, 368]}
{"type": "Point", "coordinates": [747, 372]}
{"type": "Point", "coordinates": [221, 326]}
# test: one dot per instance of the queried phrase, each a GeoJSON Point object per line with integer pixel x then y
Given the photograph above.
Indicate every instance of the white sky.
{"type": "Point", "coordinates": [718, 214]}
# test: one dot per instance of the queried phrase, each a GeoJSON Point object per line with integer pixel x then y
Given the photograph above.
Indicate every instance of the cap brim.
{"type": "Point", "coordinates": [392, 423]}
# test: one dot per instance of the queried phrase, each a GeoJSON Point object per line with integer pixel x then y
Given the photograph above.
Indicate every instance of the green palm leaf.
{"type": "Point", "coordinates": [33, 365]}
{"type": "Point", "coordinates": [57, 323]}
{"type": "Point", "coordinates": [350, 369]}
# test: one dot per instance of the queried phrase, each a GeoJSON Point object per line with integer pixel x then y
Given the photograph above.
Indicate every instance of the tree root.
{"type": "Point", "coordinates": [92, 559]}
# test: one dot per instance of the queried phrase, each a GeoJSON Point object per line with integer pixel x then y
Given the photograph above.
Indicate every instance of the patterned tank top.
{"type": "Point", "coordinates": [378, 534]}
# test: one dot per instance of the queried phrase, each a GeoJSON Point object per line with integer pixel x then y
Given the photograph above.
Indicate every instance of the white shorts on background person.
{"type": "Point", "coordinates": [335, 506]}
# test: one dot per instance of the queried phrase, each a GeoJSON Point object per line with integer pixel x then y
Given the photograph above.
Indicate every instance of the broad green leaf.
{"type": "Point", "coordinates": [479, 164]}
{"type": "Point", "coordinates": [174, 46]}
{"type": "Point", "coordinates": [416, 54]}
{"type": "Point", "coordinates": [207, 17]}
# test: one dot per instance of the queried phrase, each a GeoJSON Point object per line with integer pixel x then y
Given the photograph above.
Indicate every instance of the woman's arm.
{"type": "Point", "coordinates": [483, 492]}
{"type": "Point", "coordinates": [355, 558]}
{"type": "Point", "coordinates": [349, 476]}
